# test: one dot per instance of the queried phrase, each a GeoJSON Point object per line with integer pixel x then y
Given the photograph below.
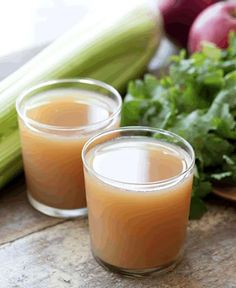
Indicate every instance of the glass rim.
{"type": "Point", "coordinates": [152, 184]}
{"type": "Point", "coordinates": [49, 83]}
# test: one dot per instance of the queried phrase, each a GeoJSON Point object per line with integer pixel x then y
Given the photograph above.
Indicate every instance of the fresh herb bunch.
{"type": "Point", "coordinates": [196, 100]}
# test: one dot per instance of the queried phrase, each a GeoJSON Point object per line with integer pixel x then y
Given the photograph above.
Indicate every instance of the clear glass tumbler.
{"type": "Point", "coordinates": [138, 186]}
{"type": "Point", "coordinates": [56, 118]}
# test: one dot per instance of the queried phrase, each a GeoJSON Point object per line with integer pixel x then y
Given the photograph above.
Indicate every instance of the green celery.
{"type": "Point", "coordinates": [114, 49]}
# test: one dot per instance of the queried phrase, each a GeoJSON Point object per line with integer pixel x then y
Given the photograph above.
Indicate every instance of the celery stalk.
{"type": "Point", "coordinates": [11, 172]}
{"type": "Point", "coordinates": [114, 49]}
{"type": "Point", "coordinates": [10, 157]}
{"type": "Point", "coordinates": [11, 147]}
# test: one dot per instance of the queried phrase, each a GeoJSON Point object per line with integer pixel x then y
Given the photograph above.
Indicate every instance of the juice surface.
{"type": "Point", "coordinates": [52, 159]}
{"type": "Point", "coordinates": [68, 112]}
{"type": "Point", "coordinates": [138, 162]}
{"type": "Point", "coordinates": [130, 226]}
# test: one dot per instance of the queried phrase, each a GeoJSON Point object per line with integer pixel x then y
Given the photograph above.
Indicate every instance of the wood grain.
{"type": "Point", "coordinates": [17, 217]}
{"type": "Point", "coordinates": [226, 192]}
{"type": "Point", "coordinates": [42, 252]}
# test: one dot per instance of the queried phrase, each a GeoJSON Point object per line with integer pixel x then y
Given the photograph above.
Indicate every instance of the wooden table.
{"type": "Point", "coordinates": [38, 251]}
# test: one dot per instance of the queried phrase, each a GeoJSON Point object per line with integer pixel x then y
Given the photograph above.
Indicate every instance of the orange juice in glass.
{"type": "Point", "coordinates": [138, 185]}
{"type": "Point", "coordinates": [56, 118]}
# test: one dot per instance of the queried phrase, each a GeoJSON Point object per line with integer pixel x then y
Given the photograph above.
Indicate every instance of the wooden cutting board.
{"type": "Point", "coordinates": [226, 192]}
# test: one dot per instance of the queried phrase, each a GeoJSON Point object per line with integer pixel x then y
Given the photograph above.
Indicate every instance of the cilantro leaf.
{"type": "Point", "coordinates": [196, 100]}
{"type": "Point", "coordinates": [197, 208]}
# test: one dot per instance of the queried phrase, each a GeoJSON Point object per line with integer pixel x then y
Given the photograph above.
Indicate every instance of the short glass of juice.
{"type": "Point", "coordinates": [138, 185]}
{"type": "Point", "coordinates": [56, 118]}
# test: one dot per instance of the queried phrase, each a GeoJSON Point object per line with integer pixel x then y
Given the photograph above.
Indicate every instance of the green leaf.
{"type": "Point", "coordinates": [201, 187]}
{"type": "Point", "coordinates": [230, 80]}
{"type": "Point", "coordinates": [221, 176]}
{"type": "Point", "coordinates": [229, 169]}
{"type": "Point", "coordinates": [213, 150]}
{"type": "Point", "coordinates": [211, 51]}
{"type": "Point", "coordinates": [196, 100]}
{"type": "Point", "coordinates": [232, 44]}
{"type": "Point", "coordinates": [132, 112]}
{"type": "Point", "coordinates": [197, 208]}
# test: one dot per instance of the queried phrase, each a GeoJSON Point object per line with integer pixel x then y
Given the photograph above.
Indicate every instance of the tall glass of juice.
{"type": "Point", "coordinates": [56, 118]}
{"type": "Point", "coordinates": [138, 185]}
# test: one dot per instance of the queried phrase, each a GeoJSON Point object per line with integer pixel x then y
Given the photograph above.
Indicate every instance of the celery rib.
{"type": "Point", "coordinates": [113, 50]}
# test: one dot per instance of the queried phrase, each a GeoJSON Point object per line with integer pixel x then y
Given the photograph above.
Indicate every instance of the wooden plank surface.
{"type": "Point", "coordinates": [17, 217]}
{"type": "Point", "coordinates": [37, 251]}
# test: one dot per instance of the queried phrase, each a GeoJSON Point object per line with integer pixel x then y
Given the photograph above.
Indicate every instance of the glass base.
{"type": "Point", "coordinates": [54, 212]}
{"type": "Point", "coordinates": [138, 273]}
